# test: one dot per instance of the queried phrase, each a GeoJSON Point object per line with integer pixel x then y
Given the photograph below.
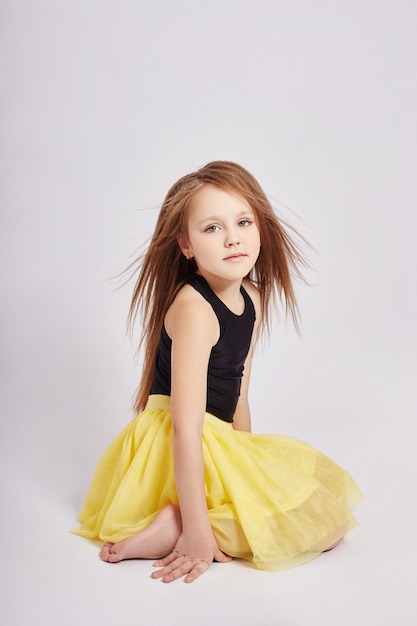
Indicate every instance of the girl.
{"type": "Point", "coordinates": [186, 482]}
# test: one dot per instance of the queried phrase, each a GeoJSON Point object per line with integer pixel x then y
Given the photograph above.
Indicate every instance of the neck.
{"type": "Point", "coordinates": [227, 290]}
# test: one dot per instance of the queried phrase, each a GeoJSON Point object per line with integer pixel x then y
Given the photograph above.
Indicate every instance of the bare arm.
{"type": "Point", "coordinates": [193, 329]}
{"type": "Point", "coordinates": [193, 335]}
{"type": "Point", "coordinates": [242, 417]}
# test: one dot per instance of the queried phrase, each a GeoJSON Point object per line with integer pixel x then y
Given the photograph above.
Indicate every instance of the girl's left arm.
{"type": "Point", "coordinates": [242, 418]}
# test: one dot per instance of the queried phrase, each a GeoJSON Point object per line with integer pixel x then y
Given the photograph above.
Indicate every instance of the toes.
{"type": "Point", "coordinates": [221, 557]}
{"type": "Point", "coordinates": [104, 552]}
{"type": "Point", "coordinates": [108, 553]}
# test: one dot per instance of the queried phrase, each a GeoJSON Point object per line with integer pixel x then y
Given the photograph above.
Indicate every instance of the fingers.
{"type": "Point", "coordinates": [178, 568]}
{"type": "Point", "coordinates": [197, 570]}
{"type": "Point", "coordinates": [178, 564]}
{"type": "Point", "coordinates": [166, 561]}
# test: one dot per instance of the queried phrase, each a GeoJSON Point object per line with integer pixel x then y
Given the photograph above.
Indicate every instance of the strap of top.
{"type": "Point", "coordinates": [221, 310]}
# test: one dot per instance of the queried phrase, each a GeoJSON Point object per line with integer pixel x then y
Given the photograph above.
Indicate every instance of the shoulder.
{"type": "Point", "coordinates": [191, 314]}
{"type": "Point", "coordinates": [253, 293]}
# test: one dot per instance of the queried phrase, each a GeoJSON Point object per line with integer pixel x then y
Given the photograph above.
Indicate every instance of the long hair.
{"type": "Point", "coordinates": [163, 269]}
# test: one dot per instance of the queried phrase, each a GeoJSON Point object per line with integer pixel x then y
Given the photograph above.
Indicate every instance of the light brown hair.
{"type": "Point", "coordinates": [163, 269]}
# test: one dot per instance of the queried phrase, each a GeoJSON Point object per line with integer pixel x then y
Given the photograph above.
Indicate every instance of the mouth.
{"type": "Point", "coordinates": [235, 257]}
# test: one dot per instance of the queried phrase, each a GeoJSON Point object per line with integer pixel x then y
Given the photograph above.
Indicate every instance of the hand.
{"type": "Point", "coordinates": [191, 557]}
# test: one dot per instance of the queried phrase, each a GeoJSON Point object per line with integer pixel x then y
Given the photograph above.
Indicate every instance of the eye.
{"type": "Point", "coordinates": [211, 229]}
{"type": "Point", "coordinates": [245, 223]}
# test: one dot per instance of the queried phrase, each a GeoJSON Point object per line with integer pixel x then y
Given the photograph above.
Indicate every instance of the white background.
{"type": "Point", "coordinates": [104, 105]}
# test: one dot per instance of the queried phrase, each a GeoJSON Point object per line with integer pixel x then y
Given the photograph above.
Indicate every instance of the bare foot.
{"type": "Point", "coordinates": [156, 541]}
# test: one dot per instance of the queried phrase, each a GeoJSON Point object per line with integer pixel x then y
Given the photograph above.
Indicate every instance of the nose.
{"type": "Point", "coordinates": [232, 239]}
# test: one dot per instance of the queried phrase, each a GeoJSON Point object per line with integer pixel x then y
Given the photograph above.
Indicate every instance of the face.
{"type": "Point", "coordinates": [223, 237]}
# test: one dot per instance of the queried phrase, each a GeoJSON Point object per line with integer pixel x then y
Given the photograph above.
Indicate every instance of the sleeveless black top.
{"type": "Point", "coordinates": [227, 358]}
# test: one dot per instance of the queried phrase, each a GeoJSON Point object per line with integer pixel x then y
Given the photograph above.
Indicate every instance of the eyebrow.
{"type": "Point", "coordinates": [218, 218]}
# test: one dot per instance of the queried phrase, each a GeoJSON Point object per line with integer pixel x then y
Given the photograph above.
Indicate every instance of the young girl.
{"type": "Point", "coordinates": [186, 482]}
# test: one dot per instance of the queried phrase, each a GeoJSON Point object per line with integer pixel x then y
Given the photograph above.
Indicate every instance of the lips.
{"type": "Point", "coordinates": [235, 257]}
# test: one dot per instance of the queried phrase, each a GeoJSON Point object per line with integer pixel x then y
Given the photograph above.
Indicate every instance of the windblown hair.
{"type": "Point", "coordinates": [163, 269]}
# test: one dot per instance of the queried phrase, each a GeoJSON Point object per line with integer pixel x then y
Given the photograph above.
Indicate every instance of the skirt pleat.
{"type": "Point", "coordinates": [272, 500]}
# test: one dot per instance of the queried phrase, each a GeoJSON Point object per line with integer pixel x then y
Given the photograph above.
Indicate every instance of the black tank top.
{"type": "Point", "coordinates": [227, 358]}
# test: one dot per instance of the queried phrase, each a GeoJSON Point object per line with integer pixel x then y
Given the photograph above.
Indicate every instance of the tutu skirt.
{"type": "Point", "coordinates": [272, 500]}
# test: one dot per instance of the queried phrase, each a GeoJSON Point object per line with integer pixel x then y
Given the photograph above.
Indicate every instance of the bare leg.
{"type": "Point", "coordinates": [156, 541]}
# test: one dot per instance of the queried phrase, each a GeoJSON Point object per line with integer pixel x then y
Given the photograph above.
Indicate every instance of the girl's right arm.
{"type": "Point", "coordinates": [194, 330]}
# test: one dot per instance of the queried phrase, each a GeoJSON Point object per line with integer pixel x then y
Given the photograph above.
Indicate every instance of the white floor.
{"type": "Point", "coordinates": [51, 577]}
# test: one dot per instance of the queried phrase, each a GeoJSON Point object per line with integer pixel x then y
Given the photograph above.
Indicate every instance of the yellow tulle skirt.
{"type": "Point", "coordinates": [272, 500]}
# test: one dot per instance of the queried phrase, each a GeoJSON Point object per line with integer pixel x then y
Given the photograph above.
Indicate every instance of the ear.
{"type": "Point", "coordinates": [184, 245]}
